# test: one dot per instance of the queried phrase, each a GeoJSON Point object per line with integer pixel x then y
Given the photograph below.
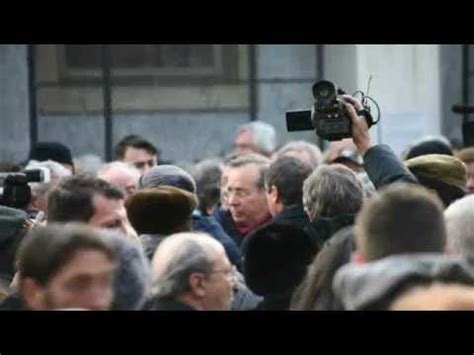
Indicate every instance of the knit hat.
{"type": "Point", "coordinates": [169, 175]}
{"type": "Point", "coordinates": [444, 168]}
{"type": "Point", "coordinates": [432, 146]}
{"type": "Point", "coordinates": [160, 210]}
{"type": "Point", "coordinates": [51, 151]}
{"type": "Point", "coordinates": [276, 257]}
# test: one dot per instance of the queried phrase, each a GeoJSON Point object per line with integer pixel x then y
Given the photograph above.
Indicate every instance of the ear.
{"type": "Point", "coordinates": [273, 194]}
{"type": "Point", "coordinates": [33, 294]}
{"type": "Point", "coordinates": [358, 258]}
{"type": "Point", "coordinates": [196, 285]}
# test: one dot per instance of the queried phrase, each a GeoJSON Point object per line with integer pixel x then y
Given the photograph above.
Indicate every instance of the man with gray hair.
{"type": "Point", "coordinates": [332, 196]}
{"type": "Point", "coordinates": [123, 175]}
{"type": "Point", "coordinates": [459, 217]}
{"type": "Point", "coordinates": [257, 137]}
{"type": "Point", "coordinates": [306, 152]}
{"type": "Point", "coordinates": [190, 271]}
{"type": "Point", "coordinates": [245, 196]}
{"type": "Point", "coordinates": [40, 191]}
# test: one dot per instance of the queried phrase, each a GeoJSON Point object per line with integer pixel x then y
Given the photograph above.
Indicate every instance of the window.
{"type": "Point", "coordinates": [82, 61]}
{"type": "Point", "coordinates": [144, 78]}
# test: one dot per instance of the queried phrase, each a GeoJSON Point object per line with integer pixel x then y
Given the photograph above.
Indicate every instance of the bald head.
{"type": "Point", "coordinates": [193, 268]}
{"type": "Point", "coordinates": [120, 174]}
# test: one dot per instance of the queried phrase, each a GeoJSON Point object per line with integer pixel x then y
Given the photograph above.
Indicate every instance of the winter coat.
{"type": "Point", "coordinates": [210, 226]}
{"type": "Point", "coordinates": [383, 167]}
{"type": "Point", "coordinates": [322, 229]}
{"type": "Point", "coordinates": [167, 305]}
{"type": "Point", "coordinates": [11, 235]}
{"type": "Point", "coordinates": [375, 285]}
{"type": "Point", "coordinates": [224, 218]}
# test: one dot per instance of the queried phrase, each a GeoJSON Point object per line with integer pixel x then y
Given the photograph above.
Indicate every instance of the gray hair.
{"type": "Point", "coordinates": [264, 135]}
{"type": "Point", "coordinates": [177, 257]}
{"type": "Point", "coordinates": [331, 190]}
{"type": "Point", "coordinates": [207, 175]}
{"type": "Point", "coordinates": [88, 164]}
{"type": "Point", "coordinates": [302, 146]}
{"type": "Point", "coordinates": [57, 171]}
{"type": "Point", "coordinates": [459, 217]}
{"type": "Point", "coordinates": [262, 162]}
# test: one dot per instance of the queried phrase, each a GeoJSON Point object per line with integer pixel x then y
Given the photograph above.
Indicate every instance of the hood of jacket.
{"type": "Point", "coordinates": [374, 286]}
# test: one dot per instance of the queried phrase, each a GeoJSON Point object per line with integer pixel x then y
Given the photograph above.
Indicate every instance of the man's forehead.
{"type": "Point", "coordinates": [245, 173]}
{"type": "Point", "coordinates": [138, 153]}
{"type": "Point", "coordinates": [86, 262]}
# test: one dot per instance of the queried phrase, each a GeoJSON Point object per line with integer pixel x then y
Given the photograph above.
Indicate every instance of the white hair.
{"type": "Point", "coordinates": [57, 171]}
{"type": "Point", "coordinates": [89, 164]}
{"type": "Point", "coordinates": [459, 218]}
{"type": "Point", "coordinates": [264, 135]}
{"type": "Point", "coordinates": [118, 166]}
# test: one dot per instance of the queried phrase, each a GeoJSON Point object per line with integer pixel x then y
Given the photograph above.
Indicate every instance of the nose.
{"type": "Point", "coordinates": [99, 300]}
{"type": "Point", "coordinates": [470, 184]}
{"type": "Point", "coordinates": [231, 198]}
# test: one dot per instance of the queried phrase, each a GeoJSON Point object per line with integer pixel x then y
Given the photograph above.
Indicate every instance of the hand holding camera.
{"type": "Point", "coordinates": [331, 117]}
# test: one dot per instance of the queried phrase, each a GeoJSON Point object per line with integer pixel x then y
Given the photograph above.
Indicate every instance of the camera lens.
{"type": "Point", "coordinates": [324, 90]}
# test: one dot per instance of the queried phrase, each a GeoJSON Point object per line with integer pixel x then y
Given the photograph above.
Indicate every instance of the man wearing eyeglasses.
{"type": "Point", "coordinates": [191, 271]}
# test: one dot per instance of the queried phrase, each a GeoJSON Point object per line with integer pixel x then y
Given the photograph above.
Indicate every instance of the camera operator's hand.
{"type": "Point", "coordinates": [360, 129]}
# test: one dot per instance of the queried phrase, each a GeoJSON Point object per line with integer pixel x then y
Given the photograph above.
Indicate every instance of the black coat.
{"type": "Point", "coordinates": [166, 305]}
{"type": "Point", "coordinates": [11, 235]}
{"type": "Point", "coordinates": [209, 225]}
{"type": "Point", "coordinates": [224, 218]}
{"type": "Point", "coordinates": [294, 215]}
{"type": "Point", "coordinates": [322, 229]}
{"type": "Point", "coordinates": [13, 302]}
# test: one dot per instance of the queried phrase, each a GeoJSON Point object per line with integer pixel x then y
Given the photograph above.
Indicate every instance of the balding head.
{"type": "Point", "coordinates": [193, 268]}
{"type": "Point", "coordinates": [120, 174]}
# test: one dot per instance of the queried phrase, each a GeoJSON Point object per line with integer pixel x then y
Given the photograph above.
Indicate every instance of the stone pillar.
{"type": "Point", "coordinates": [14, 99]}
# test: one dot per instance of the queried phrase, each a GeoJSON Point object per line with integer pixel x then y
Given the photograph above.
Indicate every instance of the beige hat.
{"type": "Point", "coordinates": [444, 168]}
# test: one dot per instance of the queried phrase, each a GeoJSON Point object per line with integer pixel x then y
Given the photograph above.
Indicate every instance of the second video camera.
{"type": "Point", "coordinates": [327, 116]}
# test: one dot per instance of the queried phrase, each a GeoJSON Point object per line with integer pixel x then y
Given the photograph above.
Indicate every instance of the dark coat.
{"type": "Point", "coordinates": [383, 167]}
{"type": "Point", "coordinates": [210, 226]}
{"type": "Point", "coordinates": [166, 305]}
{"type": "Point", "coordinates": [322, 229]}
{"type": "Point", "coordinates": [13, 302]}
{"type": "Point", "coordinates": [294, 215]}
{"type": "Point", "coordinates": [224, 218]}
{"type": "Point", "coordinates": [11, 235]}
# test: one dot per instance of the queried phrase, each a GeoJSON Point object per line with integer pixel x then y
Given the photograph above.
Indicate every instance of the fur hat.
{"type": "Point", "coordinates": [444, 168]}
{"type": "Point", "coordinates": [169, 175]}
{"type": "Point", "coordinates": [276, 257]}
{"type": "Point", "coordinates": [160, 210]}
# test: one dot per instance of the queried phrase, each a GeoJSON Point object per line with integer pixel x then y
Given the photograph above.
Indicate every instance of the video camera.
{"type": "Point", "coordinates": [16, 191]}
{"type": "Point", "coordinates": [327, 115]}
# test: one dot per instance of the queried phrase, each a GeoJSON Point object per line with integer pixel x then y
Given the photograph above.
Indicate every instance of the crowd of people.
{"type": "Point", "coordinates": [355, 227]}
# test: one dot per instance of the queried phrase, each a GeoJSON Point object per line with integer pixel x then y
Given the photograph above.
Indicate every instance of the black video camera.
{"type": "Point", "coordinates": [16, 191]}
{"type": "Point", "coordinates": [327, 116]}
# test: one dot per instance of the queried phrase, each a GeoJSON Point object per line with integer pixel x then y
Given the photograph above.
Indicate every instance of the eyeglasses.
{"type": "Point", "coordinates": [230, 273]}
